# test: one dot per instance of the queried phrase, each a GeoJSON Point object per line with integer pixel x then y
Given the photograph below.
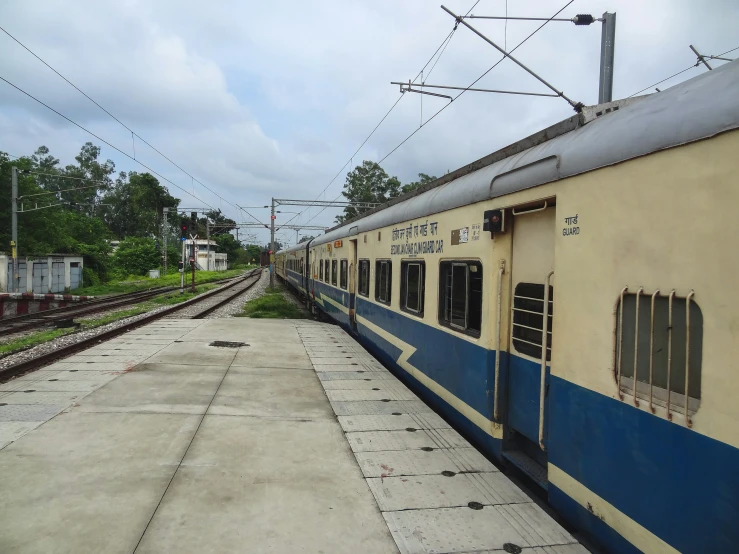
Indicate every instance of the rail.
{"type": "Point", "coordinates": [44, 359]}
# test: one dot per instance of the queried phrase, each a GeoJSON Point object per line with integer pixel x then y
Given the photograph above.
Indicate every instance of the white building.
{"type": "Point", "coordinates": [206, 256]}
{"type": "Point", "coordinates": [55, 273]}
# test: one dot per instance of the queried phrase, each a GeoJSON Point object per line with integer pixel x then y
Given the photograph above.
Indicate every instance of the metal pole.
{"type": "Point", "coordinates": [165, 210]}
{"type": "Point", "coordinates": [272, 246]}
{"type": "Point", "coordinates": [182, 273]}
{"type": "Point", "coordinates": [14, 229]}
{"type": "Point", "coordinates": [576, 105]}
{"type": "Point", "coordinates": [607, 49]}
{"type": "Point", "coordinates": [207, 240]}
{"type": "Point", "coordinates": [701, 59]}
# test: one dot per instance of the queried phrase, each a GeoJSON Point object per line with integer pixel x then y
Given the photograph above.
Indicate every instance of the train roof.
{"type": "Point", "coordinates": [602, 135]}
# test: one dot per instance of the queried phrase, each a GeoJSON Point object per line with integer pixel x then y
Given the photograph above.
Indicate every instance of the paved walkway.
{"type": "Point", "coordinates": [158, 441]}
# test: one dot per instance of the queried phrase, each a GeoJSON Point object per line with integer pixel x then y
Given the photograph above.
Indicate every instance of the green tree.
{"type": "Point", "coordinates": [136, 256]}
{"type": "Point", "coordinates": [306, 238]}
{"type": "Point", "coordinates": [135, 205]}
{"type": "Point", "coordinates": [367, 183]}
{"type": "Point", "coordinates": [229, 245]}
{"type": "Point", "coordinates": [423, 179]}
{"type": "Point", "coordinates": [253, 252]}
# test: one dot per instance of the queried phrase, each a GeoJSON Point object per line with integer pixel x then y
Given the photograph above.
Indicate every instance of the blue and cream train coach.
{"type": "Point", "coordinates": [566, 303]}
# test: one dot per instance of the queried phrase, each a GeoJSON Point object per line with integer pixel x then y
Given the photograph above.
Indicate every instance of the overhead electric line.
{"type": "Point", "coordinates": [105, 141]}
{"type": "Point", "coordinates": [133, 133]}
{"type": "Point", "coordinates": [465, 90]}
{"type": "Point", "coordinates": [696, 64]}
{"type": "Point", "coordinates": [446, 41]}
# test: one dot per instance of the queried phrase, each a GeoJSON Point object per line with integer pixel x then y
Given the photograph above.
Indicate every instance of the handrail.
{"type": "Point", "coordinates": [497, 341]}
{"type": "Point", "coordinates": [544, 340]}
{"type": "Point", "coordinates": [688, 422]}
{"type": "Point", "coordinates": [544, 207]}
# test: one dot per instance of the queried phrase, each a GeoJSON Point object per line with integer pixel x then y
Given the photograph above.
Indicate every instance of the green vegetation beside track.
{"type": "Point", "coordinates": [273, 305]}
{"type": "Point", "coordinates": [172, 280]}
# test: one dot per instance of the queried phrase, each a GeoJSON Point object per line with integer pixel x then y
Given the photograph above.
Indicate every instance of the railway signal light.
{"type": "Point", "coordinates": [183, 230]}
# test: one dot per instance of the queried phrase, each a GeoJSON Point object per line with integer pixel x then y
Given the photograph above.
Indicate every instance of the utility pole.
{"type": "Point", "coordinates": [165, 210]}
{"type": "Point", "coordinates": [182, 271]}
{"type": "Point", "coordinates": [207, 241]}
{"type": "Point", "coordinates": [607, 50]}
{"type": "Point", "coordinates": [14, 229]}
{"type": "Point", "coordinates": [272, 246]}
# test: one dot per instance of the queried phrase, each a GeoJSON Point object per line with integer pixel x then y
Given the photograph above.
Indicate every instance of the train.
{"type": "Point", "coordinates": [564, 302]}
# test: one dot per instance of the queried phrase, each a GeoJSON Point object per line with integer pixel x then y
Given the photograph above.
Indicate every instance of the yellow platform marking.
{"type": "Point", "coordinates": [495, 430]}
{"type": "Point", "coordinates": [629, 529]}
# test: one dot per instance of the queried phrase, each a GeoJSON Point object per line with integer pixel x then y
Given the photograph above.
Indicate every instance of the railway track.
{"type": "Point", "coordinates": [64, 316]}
{"type": "Point", "coordinates": [195, 308]}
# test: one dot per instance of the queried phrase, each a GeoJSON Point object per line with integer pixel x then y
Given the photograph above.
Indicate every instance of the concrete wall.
{"type": "Point", "coordinates": [27, 284]}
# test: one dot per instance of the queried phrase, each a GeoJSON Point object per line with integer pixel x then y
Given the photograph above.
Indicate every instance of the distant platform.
{"type": "Point", "coordinates": [165, 440]}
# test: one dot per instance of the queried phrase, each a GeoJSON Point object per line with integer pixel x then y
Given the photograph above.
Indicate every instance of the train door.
{"type": "Point", "coordinates": [530, 349]}
{"type": "Point", "coordinates": [353, 284]}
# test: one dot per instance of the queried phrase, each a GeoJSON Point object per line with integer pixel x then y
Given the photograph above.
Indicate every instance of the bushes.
{"type": "Point", "coordinates": [136, 256]}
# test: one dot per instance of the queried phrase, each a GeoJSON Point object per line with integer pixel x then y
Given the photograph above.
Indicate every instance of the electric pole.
{"type": "Point", "coordinates": [607, 51]}
{"type": "Point", "coordinates": [207, 241]}
{"type": "Point", "coordinates": [272, 246]}
{"type": "Point", "coordinates": [14, 229]}
{"type": "Point", "coordinates": [165, 210]}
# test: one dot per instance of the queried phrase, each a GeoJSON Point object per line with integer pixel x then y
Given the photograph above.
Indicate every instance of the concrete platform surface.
{"type": "Point", "coordinates": [299, 441]}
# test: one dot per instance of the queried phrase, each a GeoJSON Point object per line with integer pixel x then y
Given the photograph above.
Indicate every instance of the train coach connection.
{"type": "Point", "coordinates": [566, 303]}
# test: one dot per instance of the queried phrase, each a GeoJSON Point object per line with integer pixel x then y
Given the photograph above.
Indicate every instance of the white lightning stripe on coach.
{"type": "Point", "coordinates": [495, 430]}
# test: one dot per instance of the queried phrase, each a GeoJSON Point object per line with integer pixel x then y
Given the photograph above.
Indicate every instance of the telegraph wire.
{"type": "Point", "coordinates": [696, 64]}
{"type": "Point", "coordinates": [133, 133]}
{"type": "Point", "coordinates": [474, 82]}
{"type": "Point", "coordinates": [443, 45]}
{"type": "Point", "coordinates": [105, 141]}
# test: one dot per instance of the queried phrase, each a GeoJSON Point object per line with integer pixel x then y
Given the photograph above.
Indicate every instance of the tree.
{"type": "Point", "coordinates": [136, 256]}
{"type": "Point", "coordinates": [135, 205]}
{"type": "Point", "coordinates": [253, 251]}
{"type": "Point", "coordinates": [229, 245]}
{"type": "Point", "coordinates": [423, 179]}
{"type": "Point", "coordinates": [367, 183]}
{"type": "Point", "coordinates": [306, 238]}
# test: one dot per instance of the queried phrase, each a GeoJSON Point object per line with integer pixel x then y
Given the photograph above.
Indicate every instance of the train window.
{"type": "Point", "coordinates": [344, 274]}
{"type": "Point", "coordinates": [383, 280]}
{"type": "Point", "coordinates": [327, 274]}
{"type": "Point", "coordinates": [364, 271]}
{"type": "Point", "coordinates": [460, 296]}
{"type": "Point", "coordinates": [528, 319]}
{"type": "Point", "coordinates": [660, 336]}
{"type": "Point", "coordinates": [320, 270]}
{"type": "Point", "coordinates": [412, 286]}
{"type": "Point", "coordinates": [333, 272]}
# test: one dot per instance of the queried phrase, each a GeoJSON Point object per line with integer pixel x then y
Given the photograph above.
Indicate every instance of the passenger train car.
{"type": "Point", "coordinates": [566, 303]}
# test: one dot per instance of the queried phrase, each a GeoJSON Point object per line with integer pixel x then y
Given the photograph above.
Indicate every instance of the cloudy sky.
{"type": "Point", "coordinates": [271, 99]}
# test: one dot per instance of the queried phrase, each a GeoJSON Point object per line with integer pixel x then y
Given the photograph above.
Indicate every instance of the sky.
{"type": "Point", "coordinates": [271, 99]}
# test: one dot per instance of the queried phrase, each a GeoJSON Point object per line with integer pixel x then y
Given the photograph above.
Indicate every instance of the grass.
{"type": "Point", "coordinates": [272, 305]}
{"type": "Point", "coordinates": [170, 299]}
{"type": "Point", "coordinates": [143, 283]}
{"type": "Point", "coordinates": [32, 340]}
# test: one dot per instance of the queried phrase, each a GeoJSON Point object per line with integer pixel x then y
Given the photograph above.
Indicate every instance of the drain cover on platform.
{"type": "Point", "coordinates": [227, 344]}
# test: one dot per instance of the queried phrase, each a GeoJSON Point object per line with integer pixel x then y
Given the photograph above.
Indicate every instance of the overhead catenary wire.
{"type": "Point", "coordinates": [441, 48]}
{"type": "Point", "coordinates": [105, 141]}
{"type": "Point", "coordinates": [133, 133]}
{"type": "Point", "coordinates": [461, 93]}
{"type": "Point", "coordinates": [696, 64]}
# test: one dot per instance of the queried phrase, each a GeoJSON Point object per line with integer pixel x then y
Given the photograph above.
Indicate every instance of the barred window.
{"type": "Point", "coordinates": [528, 319]}
{"type": "Point", "coordinates": [412, 286]}
{"type": "Point", "coordinates": [364, 270]}
{"type": "Point", "coordinates": [660, 337]}
{"type": "Point", "coordinates": [383, 280]}
{"type": "Point", "coordinates": [333, 272]}
{"type": "Point", "coordinates": [460, 296]}
{"type": "Point", "coordinates": [320, 270]}
{"type": "Point", "coordinates": [343, 274]}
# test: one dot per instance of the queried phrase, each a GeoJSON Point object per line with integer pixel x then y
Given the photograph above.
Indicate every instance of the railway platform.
{"type": "Point", "coordinates": [242, 435]}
